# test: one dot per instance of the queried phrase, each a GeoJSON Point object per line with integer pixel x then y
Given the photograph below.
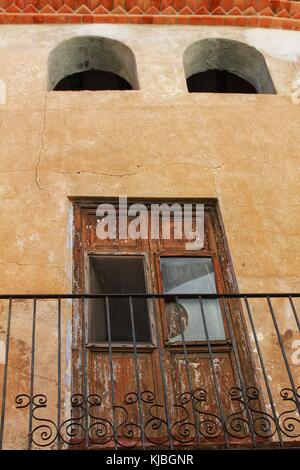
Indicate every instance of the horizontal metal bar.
{"type": "Point", "coordinates": [148, 296]}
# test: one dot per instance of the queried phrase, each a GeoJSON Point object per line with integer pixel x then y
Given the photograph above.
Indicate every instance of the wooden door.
{"type": "Point", "coordinates": [166, 372]}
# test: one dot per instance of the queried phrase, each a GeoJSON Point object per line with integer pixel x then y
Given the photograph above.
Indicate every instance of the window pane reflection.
{"type": "Point", "coordinates": [191, 276]}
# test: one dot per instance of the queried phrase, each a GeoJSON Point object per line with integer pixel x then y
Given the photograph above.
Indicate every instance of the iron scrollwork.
{"type": "Point", "coordinates": [288, 422]}
{"type": "Point", "coordinates": [192, 417]}
{"type": "Point", "coordinates": [249, 420]}
{"type": "Point", "coordinates": [206, 424]}
{"type": "Point", "coordinates": [45, 433]}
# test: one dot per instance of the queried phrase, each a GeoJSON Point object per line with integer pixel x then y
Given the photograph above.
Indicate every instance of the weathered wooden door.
{"type": "Point", "coordinates": [159, 371]}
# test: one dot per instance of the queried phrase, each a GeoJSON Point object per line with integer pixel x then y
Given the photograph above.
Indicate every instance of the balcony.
{"type": "Point", "coordinates": [61, 389]}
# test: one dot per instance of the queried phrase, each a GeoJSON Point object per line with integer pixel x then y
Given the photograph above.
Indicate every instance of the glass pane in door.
{"type": "Point", "coordinates": [191, 276]}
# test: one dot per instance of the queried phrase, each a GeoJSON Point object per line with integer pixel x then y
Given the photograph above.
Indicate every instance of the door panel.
{"type": "Point", "coordinates": [127, 413]}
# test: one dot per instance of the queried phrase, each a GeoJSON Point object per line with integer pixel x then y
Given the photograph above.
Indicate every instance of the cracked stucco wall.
{"type": "Point", "coordinates": [158, 141]}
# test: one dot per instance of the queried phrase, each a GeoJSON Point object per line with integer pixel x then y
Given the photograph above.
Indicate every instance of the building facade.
{"type": "Point", "coordinates": [135, 342]}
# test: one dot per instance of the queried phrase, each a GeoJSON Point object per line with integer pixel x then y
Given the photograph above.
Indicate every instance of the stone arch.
{"type": "Point", "coordinates": [85, 53]}
{"type": "Point", "coordinates": [232, 56]}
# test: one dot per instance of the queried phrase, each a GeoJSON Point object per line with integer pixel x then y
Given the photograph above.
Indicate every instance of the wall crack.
{"type": "Point", "coordinates": [41, 149]}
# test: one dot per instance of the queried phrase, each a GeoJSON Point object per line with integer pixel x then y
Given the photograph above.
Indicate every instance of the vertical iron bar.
{"type": "Point", "coordinates": [84, 374]}
{"type": "Point", "coordinates": [261, 360]}
{"type": "Point", "coordinates": [294, 312]}
{"type": "Point", "coordinates": [283, 352]}
{"type": "Point", "coordinates": [215, 380]}
{"type": "Point", "coordinates": [188, 372]}
{"type": "Point", "coordinates": [32, 374]}
{"type": "Point", "coordinates": [58, 371]}
{"type": "Point", "coordinates": [111, 372]}
{"type": "Point", "coordinates": [239, 370]}
{"type": "Point", "coordinates": [137, 372]}
{"type": "Point", "coordinates": [4, 387]}
{"type": "Point", "coordinates": [163, 378]}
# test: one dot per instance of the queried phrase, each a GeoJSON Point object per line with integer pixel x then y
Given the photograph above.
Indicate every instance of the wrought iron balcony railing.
{"type": "Point", "coordinates": [61, 387]}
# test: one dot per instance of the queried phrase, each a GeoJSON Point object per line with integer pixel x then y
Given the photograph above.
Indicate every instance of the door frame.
{"type": "Point", "coordinates": [224, 276]}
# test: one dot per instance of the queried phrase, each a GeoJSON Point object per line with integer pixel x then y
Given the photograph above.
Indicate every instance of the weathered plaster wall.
{"type": "Point", "coordinates": [154, 142]}
{"type": "Point", "coordinates": [242, 149]}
